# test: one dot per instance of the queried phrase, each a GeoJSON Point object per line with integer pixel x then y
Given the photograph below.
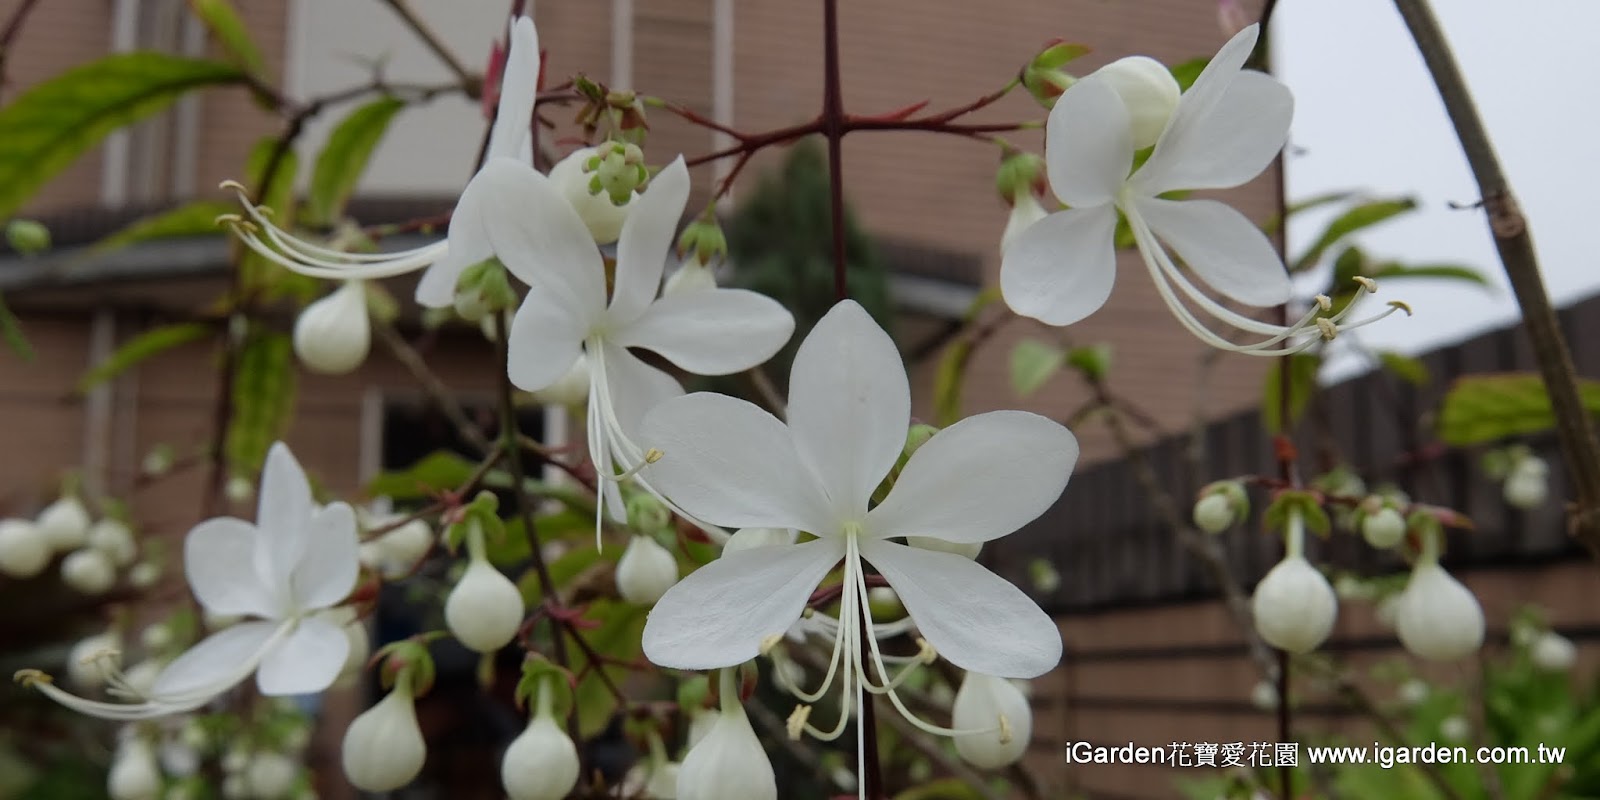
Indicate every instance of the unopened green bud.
{"type": "Point", "coordinates": [484, 288]}
{"type": "Point", "coordinates": [704, 240]}
{"type": "Point", "coordinates": [1221, 505]}
{"type": "Point", "coordinates": [617, 171]}
{"type": "Point", "coordinates": [917, 436]}
{"type": "Point", "coordinates": [1020, 173]}
{"type": "Point", "coordinates": [1044, 77]}
{"type": "Point", "coordinates": [27, 236]}
{"type": "Point", "coordinates": [647, 514]}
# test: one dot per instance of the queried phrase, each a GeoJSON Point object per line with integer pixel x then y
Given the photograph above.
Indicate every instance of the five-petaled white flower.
{"type": "Point", "coordinates": [733, 464]}
{"type": "Point", "coordinates": [1219, 134]}
{"type": "Point", "coordinates": [296, 562]}
{"type": "Point", "coordinates": [464, 244]}
{"type": "Point", "coordinates": [567, 314]}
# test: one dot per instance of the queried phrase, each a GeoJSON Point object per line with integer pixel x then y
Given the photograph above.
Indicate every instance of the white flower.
{"type": "Point", "coordinates": [733, 464]}
{"type": "Point", "coordinates": [295, 562]}
{"type": "Point", "coordinates": [690, 276]}
{"type": "Point", "coordinates": [650, 780]}
{"type": "Point", "coordinates": [1437, 617]}
{"type": "Point", "coordinates": [1294, 606]}
{"type": "Point", "coordinates": [115, 539]}
{"type": "Point", "coordinates": [332, 335]}
{"type": "Point", "coordinates": [383, 748]}
{"type": "Point", "coordinates": [571, 389]}
{"type": "Point", "coordinates": [464, 245]}
{"type": "Point", "coordinates": [1553, 652]}
{"type": "Point", "coordinates": [24, 550]}
{"type": "Point", "coordinates": [1000, 712]}
{"type": "Point", "coordinates": [729, 763]}
{"type": "Point", "coordinates": [603, 218]}
{"type": "Point", "coordinates": [968, 550]}
{"type": "Point", "coordinates": [568, 313]}
{"type": "Point", "coordinates": [1528, 485]}
{"type": "Point", "coordinates": [751, 538]}
{"type": "Point", "coordinates": [1384, 529]}
{"type": "Point", "coordinates": [646, 571]}
{"type": "Point", "coordinates": [542, 762]}
{"type": "Point", "coordinates": [93, 660]}
{"type": "Point", "coordinates": [135, 775]}
{"type": "Point", "coordinates": [484, 610]}
{"type": "Point", "coordinates": [64, 523]}
{"type": "Point", "coordinates": [1024, 212]}
{"type": "Point", "coordinates": [88, 571]}
{"type": "Point", "coordinates": [1219, 134]}
{"type": "Point", "coordinates": [271, 775]}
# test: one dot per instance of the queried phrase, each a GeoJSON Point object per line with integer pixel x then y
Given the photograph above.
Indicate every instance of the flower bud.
{"type": "Point", "coordinates": [729, 763]}
{"type": "Point", "coordinates": [1148, 90]}
{"type": "Point", "coordinates": [1436, 616]}
{"type": "Point", "coordinates": [484, 611]}
{"type": "Point", "coordinates": [603, 217]}
{"type": "Point", "coordinates": [271, 776]}
{"type": "Point", "coordinates": [115, 539]}
{"type": "Point", "coordinates": [1383, 529]}
{"type": "Point", "coordinates": [332, 335]}
{"type": "Point", "coordinates": [144, 575]}
{"type": "Point", "coordinates": [135, 775]}
{"type": "Point", "coordinates": [998, 714]}
{"type": "Point", "coordinates": [88, 571]}
{"type": "Point", "coordinates": [571, 389]}
{"type": "Point", "coordinates": [646, 513]}
{"type": "Point", "coordinates": [1043, 76]}
{"type": "Point", "coordinates": [1553, 652]}
{"type": "Point", "coordinates": [650, 780]}
{"type": "Point", "coordinates": [383, 747]}
{"type": "Point", "coordinates": [1528, 485]}
{"type": "Point", "coordinates": [646, 571]}
{"type": "Point", "coordinates": [1413, 693]}
{"type": "Point", "coordinates": [483, 288]}
{"type": "Point", "coordinates": [963, 549]}
{"type": "Point", "coordinates": [64, 523]}
{"type": "Point", "coordinates": [542, 762]}
{"type": "Point", "coordinates": [158, 461]}
{"type": "Point", "coordinates": [1024, 213]}
{"type": "Point", "coordinates": [1213, 513]}
{"type": "Point", "coordinates": [93, 659]}
{"type": "Point", "coordinates": [1021, 174]}
{"type": "Point", "coordinates": [751, 538]}
{"type": "Point", "coordinates": [1264, 696]}
{"type": "Point", "coordinates": [1454, 728]}
{"type": "Point", "coordinates": [701, 721]}
{"type": "Point", "coordinates": [1044, 576]}
{"type": "Point", "coordinates": [141, 677]}
{"type": "Point", "coordinates": [885, 605]}
{"type": "Point", "coordinates": [692, 276]}
{"type": "Point", "coordinates": [155, 637]}
{"type": "Point", "coordinates": [702, 242]}
{"type": "Point", "coordinates": [1294, 606]}
{"type": "Point", "coordinates": [24, 550]}
{"type": "Point", "coordinates": [27, 237]}
{"type": "Point", "coordinates": [396, 552]}
{"type": "Point", "coordinates": [178, 759]}
{"type": "Point", "coordinates": [239, 489]}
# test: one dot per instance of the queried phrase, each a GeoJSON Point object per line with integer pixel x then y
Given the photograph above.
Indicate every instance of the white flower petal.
{"type": "Point", "coordinates": [281, 516]}
{"type": "Point", "coordinates": [635, 387]}
{"type": "Point", "coordinates": [720, 613]}
{"type": "Point", "coordinates": [1088, 144]}
{"type": "Point", "coordinates": [732, 464]}
{"type": "Point", "coordinates": [219, 562]}
{"type": "Point", "coordinates": [217, 663]}
{"type": "Point", "coordinates": [849, 407]}
{"type": "Point", "coordinates": [518, 87]}
{"type": "Point", "coordinates": [1060, 269]}
{"type": "Point", "coordinates": [713, 331]}
{"type": "Point", "coordinates": [546, 338]}
{"type": "Point", "coordinates": [327, 571]}
{"type": "Point", "coordinates": [467, 243]}
{"type": "Point", "coordinates": [306, 662]}
{"type": "Point", "coordinates": [1226, 250]}
{"type": "Point", "coordinates": [1243, 132]}
{"type": "Point", "coordinates": [979, 479]}
{"type": "Point", "coordinates": [539, 237]}
{"type": "Point", "coordinates": [647, 236]}
{"type": "Point", "coordinates": [973, 617]}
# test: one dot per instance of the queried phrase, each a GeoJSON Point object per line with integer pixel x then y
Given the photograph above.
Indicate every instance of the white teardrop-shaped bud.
{"type": "Point", "coordinates": [998, 714]}
{"type": "Point", "coordinates": [1384, 529]}
{"type": "Point", "coordinates": [1024, 212]}
{"type": "Point", "coordinates": [963, 549]}
{"type": "Point", "coordinates": [178, 759]}
{"type": "Point", "coordinates": [751, 538]}
{"type": "Point", "coordinates": [1528, 485]}
{"type": "Point", "coordinates": [885, 605]}
{"type": "Point", "coordinates": [1264, 696]}
{"type": "Point", "coordinates": [144, 575]}
{"type": "Point", "coordinates": [603, 218]}
{"type": "Point", "coordinates": [1213, 513]}
{"type": "Point", "coordinates": [94, 659]}
{"type": "Point", "coordinates": [729, 763]}
{"type": "Point", "coordinates": [115, 539]}
{"type": "Point", "coordinates": [1454, 728]}
{"type": "Point", "coordinates": [571, 389]}
{"type": "Point", "coordinates": [88, 571]}
{"type": "Point", "coordinates": [651, 781]}
{"type": "Point", "coordinates": [701, 721]}
{"type": "Point", "coordinates": [135, 775]}
{"type": "Point", "coordinates": [1148, 90]}
{"type": "Point", "coordinates": [1437, 617]}
{"type": "Point", "coordinates": [691, 276]}
{"type": "Point", "coordinates": [383, 747]}
{"type": "Point", "coordinates": [1294, 606]}
{"type": "Point", "coordinates": [484, 611]}
{"type": "Point", "coordinates": [141, 677]}
{"type": "Point", "coordinates": [541, 763]}
{"type": "Point", "coordinates": [271, 776]}
{"type": "Point", "coordinates": [239, 489]}
{"type": "Point", "coordinates": [395, 553]}
{"type": "Point", "coordinates": [1553, 652]}
{"type": "Point", "coordinates": [646, 571]}
{"type": "Point", "coordinates": [65, 524]}
{"type": "Point", "coordinates": [332, 335]}
{"type": "Point", "coordinates": [156, 636]}
{"type": "Point", "coordinates": [24, 550]}
{"type": "Point", "coordinates": [1412, 693]}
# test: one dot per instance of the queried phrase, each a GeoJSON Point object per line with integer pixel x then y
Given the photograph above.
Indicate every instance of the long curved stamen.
{"type": "Point", "coordinates": [308, 258]}
{"type": "Point", "coordinates": [840, 645]}
{"type": "Point", "coordinates": [846, 647]}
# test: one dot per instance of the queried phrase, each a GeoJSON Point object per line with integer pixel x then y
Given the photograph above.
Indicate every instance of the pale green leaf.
{"type": "Point", "coordinates": [1354, 219]}
{"type": "Point", "coordinates": [1485, 408]}
{"type": "Point", "coordinates": [224, 23]}
{"type": "Point", "coordinates": [1302, 384]}
{"type": "Point", "coordinates": [345, 157]}
{"type": "Point", "coordinates": [198, 218]}
{"type": "Point", "coordinates": [144, 346]}
{"type": "Point", "coordinates": [1032, 364]}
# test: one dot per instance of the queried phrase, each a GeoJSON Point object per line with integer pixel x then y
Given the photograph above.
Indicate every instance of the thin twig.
{"type": "Point", "coordinates": [403, 10]}
{"type": "Point", "coordinates": [433, 386]}
{"type": "Point", "coordinates": [9, 34]}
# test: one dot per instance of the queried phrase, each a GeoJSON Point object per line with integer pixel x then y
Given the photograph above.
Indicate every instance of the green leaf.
{"type": "Point", "coordinates": [198, 218]}
{"type": "Point", "coordinates": [1186, 72]}
{"type": "Point", "coordinates": [53, 123]}
{"type": "Point", "coordinates": [952, 367]}
{"type": "Point", "coordinates": [616, 638]}
{"type": "Point", "coordinates": [11, 331]}
{"type": "Point", "coordinates": [150, 343]}
{"type": "Point", "coordinates": [438, 471]}
{"type": "Point", "coordinates": [345, 157]}
{"type": "Point", "coordinates": [263, 398]}
{"type": "Point", "coordinates": [1408, 369]}
{"type": "Point", "coordinates": [1454, 272]}
{"type": "Point", "coordinates": [1483, 408]}
{"type": "Point", "coordinates": [1094, 360]}
{"type": "Point", "coordinates": [1357, 217]}
{"type": "Point", "coordinates": [1032, 364]}
{"type": "Point", "coordinates": [224, 22]}
{"type": "Point", "coordinates": [1302, 383]}
{"type": "Point", "coordinates": [1272, 225]}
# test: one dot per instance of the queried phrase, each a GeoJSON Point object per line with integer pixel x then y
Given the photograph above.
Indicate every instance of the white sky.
{"type": "Point", "coordinates": [1367, 118]}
